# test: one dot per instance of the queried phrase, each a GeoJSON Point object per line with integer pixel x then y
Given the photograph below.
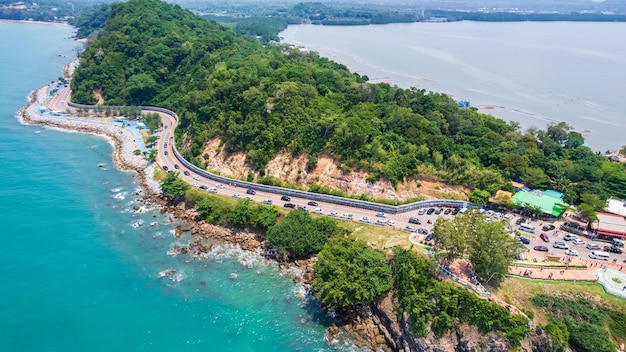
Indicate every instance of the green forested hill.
{"type": "Point", "coordinates": [264, 99]}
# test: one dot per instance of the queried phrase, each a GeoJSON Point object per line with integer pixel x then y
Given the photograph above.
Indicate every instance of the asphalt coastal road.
{"type": "Point", "coordinates": [165, 158]}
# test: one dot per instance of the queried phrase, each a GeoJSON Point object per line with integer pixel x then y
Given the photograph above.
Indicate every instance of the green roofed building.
{"type": "Point", "coordinates": [550, 201]}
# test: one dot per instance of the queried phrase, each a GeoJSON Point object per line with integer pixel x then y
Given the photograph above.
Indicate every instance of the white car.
{"type": "Point", "coordinates": [579, 242]}
{"type": "Point", "coordinates": [212, 190]}
{"type": "Point", "coordinates": [346, 216]}
{"type": "Point", "coordinates": [333, 214]}
{"type": "Point", "coordinates": [219, 185]}
{"type": "Point", "coordinates": [572, 252]}
{"type": "Point", "coordinates": [391, 222]}
{"type": "Point", "coordinates": [380, 214]}
{"type": "Point", "coordinates": [365, 219]}
{"type": "Point", "coordinates": [196, 177]}
{"type": "Point", "coordinates": [318, 211]}
{"type": "Point", "coordinates": [236, 196]}
{"type": "Point", "coordinates": [508, 216]}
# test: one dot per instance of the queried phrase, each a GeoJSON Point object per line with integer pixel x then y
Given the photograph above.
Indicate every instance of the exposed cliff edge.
{"type": "Point", "coordinates": [326, 171]}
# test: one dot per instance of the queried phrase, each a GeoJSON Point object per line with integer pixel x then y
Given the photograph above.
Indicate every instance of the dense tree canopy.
{"type": "Point", "coordinates": [265, 99]}
{"type": "Point", "coordinates": [488, 245]}
{"type": "Point", "coordinates": [172, 186]}
{"type": "Point", "coordinates": [300, 234]}
{"type": "Point", "coordinates": [349, 272]}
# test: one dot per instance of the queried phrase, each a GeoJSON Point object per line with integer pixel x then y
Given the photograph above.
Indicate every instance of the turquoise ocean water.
{"type": "Point", "coordinates": [78, 276]}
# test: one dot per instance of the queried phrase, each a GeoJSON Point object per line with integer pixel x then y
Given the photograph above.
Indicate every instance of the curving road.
{"type": "Point", "coordinates": [167, 160]}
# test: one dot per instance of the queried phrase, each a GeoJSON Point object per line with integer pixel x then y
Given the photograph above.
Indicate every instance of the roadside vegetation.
{"type": "Point", "coordinates": [265, 99]}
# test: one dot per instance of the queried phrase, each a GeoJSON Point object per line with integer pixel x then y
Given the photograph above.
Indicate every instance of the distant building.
{"type": "Point", "coordinates": [610, 225]}
{"type": "Point", "coordinates": [616, 206]}
{"type": "Point", "coordinates": [550, 202]}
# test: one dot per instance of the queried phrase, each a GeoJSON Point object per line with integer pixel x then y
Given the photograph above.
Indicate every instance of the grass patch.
{"type": "Point", "coordinates": [520, 292]}
{"type": "Point", "coordinates": [379, 237]}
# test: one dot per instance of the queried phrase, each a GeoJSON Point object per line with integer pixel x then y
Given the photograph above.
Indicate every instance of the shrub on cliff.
{"type": "Point", "coordinates": [300, 234]}
{"type": "Point", "coordinates": [349, 272]}
{"type": "Point", "coordinates": [172, 186]}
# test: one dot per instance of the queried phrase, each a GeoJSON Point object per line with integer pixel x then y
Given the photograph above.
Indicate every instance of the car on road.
{"type": "Point", "coordinates": [541, 248]}
{"type": "Point", "coordinates": [165, 152]}
{"type": "Point", "coordinates": [186, 173]}
{"type": "Point", "coordinates": [203, 187]}
{"type": "Point", "coordinates": [390, 222]}
{"type": "Point", "coordinates": [593, 246]}
{"type": "Point", "coordinates": [421, 211]}
{"type": "Point", "coordinates": [333, 214]}
{"type": "Point", "coordinates": [267, 202]}
{"type": "Point", "coordinates": [176, 166]}
{"type": "Point", "coordinates": [618, 243]}
{"type": "Point", "coordinates": [430, 211]}
{"type": "Point", "coordinates": [250, 191]}
{"type": "Point", "coordinates": [312, 203]}
{"type": "Point", "coordinates": [544, 237]}
{"type": "Point", "coordinates": [365, 219]}
{"type": "Point", "coordinates": [613, 249]}
{"type": "Point", "coordinates": [381, 222]}
{"type": "Point", "coordinates": [571, 252]}
{"type": "Point", "coordinates": [429, 237]}
{"type": "Point", "coordinates": [524, 240]}
{"type": "Point", "coordinates": [165, 167]}
{"type": "Point", "coordinates": [212, 190]}
{"type": "Point", "coordinates": [422, 231]}
{"type": "Point", "coordinates": [289, 205]}
{"type": "Point", "coordinates": [285, 198]}
{"type": "Point", "coordinates": [438, 211]}
{"type": "Point", "coordinates": [318, 211]}
{"type": "Point", "coordinates": [196, 177]}
{"type": "Point", "coordinates": [455, 211]}
{"type": "Point", "coordinates": [579, 242]}
{"type": "Point", "coordinates": [380, 214]}
{"type": "Point", "coordinates": [409, 228]}
{"type": "Point", "coordinates": [548, 227]}
{"type": "Point", "coordinates": [236, 196]}
{"type": "Point", "coordinates": [560, 245]}
{"type": "Point", "coordinates": [508, 216]}
{"type": "Point", "coordinates": [219, 185]}
{"type": "Point", "coordinates": [570, 237]}
{"type": "Point", "coordinates": [415, 221]}
{"type": "Point", "coordinates": [302, 207]}
{"type": "Point", "coordinates": [346, 216]}
{"type": "Point", "coordinates": [447, 211]}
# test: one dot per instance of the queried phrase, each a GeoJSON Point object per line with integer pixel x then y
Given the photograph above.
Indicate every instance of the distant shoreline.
{"type": "Point", "coordinates": [35, 22]}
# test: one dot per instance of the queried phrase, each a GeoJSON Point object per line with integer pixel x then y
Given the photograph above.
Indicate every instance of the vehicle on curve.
{"type": "Point", "coordinates": [599, 255]}
{"type": "Point", "coordinates": [541, 248]}
{"type": "Point", "coordinates": [267, 202]}
{"type": "Point", "coordinates": [380, 214]}
{"type": "Point", "coordinates": [430, 211]}
{"type": "Point", "coordinates": [219, 185]}
{"type": "Point", "coordinates": [560, 245]}
{"type": "Point", "coordinates": [429, 237]}
{"type": "Point", "coordinates": [455, 211]}
{"type": "Point", "coordinates": [285, 198]}
{"type": "Point", "coordinates": [579, 242]}
{"type": "Point", "coordinates": [346, 216]}
{"type": "Point", "coordinates": [524, 240]}
{"type": "Point", "coordinates": [250, 191]}
{"type": "Point", "coordinates": [165, 167]}
{"type": "Point", "coordinates": [570, 237]}
{"type": "Point", "coordinates": [289, 205]}
{"type": "Point", "coordinates": [165, 152]}
{"type": "Point", "coordinates": [196, 177]}
{"type": "Point", "coordinates": [390, 222]}
{"type": "Point", "coordinates": [312, 203]}
{"type": "Point", "coordinates": [186, 173]}
{"type": "Point", "coordinates": [236, 196]}
{"type": "Point", "coordinates": [212, 190]}
{"type": "Point", "coordinates": [544, 237]}
{"type": "Point", "coordinates": [409, 228]}
{"type": "Point", "coordinates": [593, 246]}
{"type": "Point", "coordinates": [421, 211]}
{"type": "Point", "coordinates": [381, 222]}
{"type": "Point", "coordinates": [416, 221]}
{"type": "Point", "coordinates": [438, 211]}
{"type": "Point", "coordinates": [333, 214]}
{"type": "Point", "coordinates": [176, 166]}
{"type": "Point", "coordinates": [318, 211]}
{"type": "Point", "coordinates": [447, 211]}
{"type": "Point", "coordinates": [302, 207]}
{"type": "Point", "coordinates": [548, 227]}
{"type": "Point", "coordinates": [613, 249]}
{"type": "Point", "coordinates": [571, 252]}
{"type": "Point", "coordinates": [526, 227]}
{"type": "Point", "coordinates": [365, 219]}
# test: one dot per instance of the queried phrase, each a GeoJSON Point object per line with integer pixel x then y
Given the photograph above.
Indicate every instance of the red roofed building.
{"type": "Point", "coordinates": [610, 225]}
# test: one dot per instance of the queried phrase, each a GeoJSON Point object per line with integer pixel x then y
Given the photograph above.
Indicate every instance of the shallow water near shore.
{"type": "Point", "coordinates": [81, 268]}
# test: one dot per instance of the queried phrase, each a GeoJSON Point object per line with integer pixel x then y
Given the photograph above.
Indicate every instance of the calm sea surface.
{"type": "Point", "coordinates": [531, 72]}
{"type": "Point", "coordinates": [81, 275]}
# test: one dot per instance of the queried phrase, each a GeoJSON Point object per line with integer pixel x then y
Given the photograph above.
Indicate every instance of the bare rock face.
{"type": "Point", "coordinates": [327, 172]}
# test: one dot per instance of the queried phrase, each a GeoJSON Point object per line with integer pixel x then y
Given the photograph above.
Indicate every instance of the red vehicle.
{"type": "Point", "coordinates": [544, 237]}
{"type": "Point", "coordinates": [541, 248]}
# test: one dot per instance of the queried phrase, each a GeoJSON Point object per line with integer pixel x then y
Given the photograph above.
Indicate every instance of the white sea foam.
{"type": "Point", "coordinates": [120, 195]}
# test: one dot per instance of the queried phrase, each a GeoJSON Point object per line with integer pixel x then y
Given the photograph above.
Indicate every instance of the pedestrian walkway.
{"type": "Point", "coordinates": [614, 281]}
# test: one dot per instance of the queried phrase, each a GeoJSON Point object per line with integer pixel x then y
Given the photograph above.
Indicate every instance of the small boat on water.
{"type": "Point", "coordinates": [102, 166]}
{"type": "Point", "coordinates": [166, 272]}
